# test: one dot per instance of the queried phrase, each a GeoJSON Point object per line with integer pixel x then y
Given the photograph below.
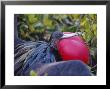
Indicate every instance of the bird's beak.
{"type": "Point", "coordinates": [69, 35]}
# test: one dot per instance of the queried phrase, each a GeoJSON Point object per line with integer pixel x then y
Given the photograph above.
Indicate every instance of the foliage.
{"type": "Point", "coordinates": [33, 73]}
{"type": "Point", "coordinates": [37, 27]}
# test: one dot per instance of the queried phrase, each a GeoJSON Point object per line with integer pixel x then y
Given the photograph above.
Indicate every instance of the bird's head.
{"type": "Point", "coordinates": [56, 36]}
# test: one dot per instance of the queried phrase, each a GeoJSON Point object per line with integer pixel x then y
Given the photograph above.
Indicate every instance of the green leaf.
{"type": "Point", "coordinates": [33, 73]}
{"type": "Point", "coordinates": [32, 19]}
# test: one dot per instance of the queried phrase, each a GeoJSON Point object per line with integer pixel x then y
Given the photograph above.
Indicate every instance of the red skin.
{"type": "Point", "coordinates": [73, 48]}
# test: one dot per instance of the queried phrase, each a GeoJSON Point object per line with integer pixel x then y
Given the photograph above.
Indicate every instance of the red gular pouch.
{"type": "Point", "coordinates": [72, 47]}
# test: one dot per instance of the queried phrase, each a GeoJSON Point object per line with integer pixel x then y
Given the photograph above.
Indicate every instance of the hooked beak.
{"type": "Point", "coordinates": [69, 35]}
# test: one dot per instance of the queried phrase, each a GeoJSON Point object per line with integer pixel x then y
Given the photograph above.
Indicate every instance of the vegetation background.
{"type": "Point", "coordinates": [35, 27]}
